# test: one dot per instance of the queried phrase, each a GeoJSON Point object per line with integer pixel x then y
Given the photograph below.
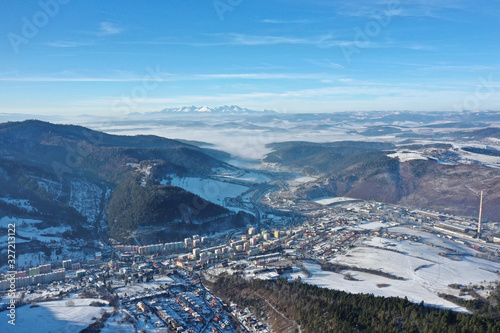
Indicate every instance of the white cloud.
{"type": "Point", "coordinates": [160, 77]}
{"type": "Point", "coordinates": [326, 40]}
{"type": "Point", "coordinates": [221, 39]}
{"type": "Point", "coordinates": [148, 73]}
{"type": "Point", "coordinates": [68, 44]}
{"type": "Point", "coordinates": [108, 28]}
{"type": "Point", "coordinates": [388, 8]}
{"type": "Point", "coordinates": [326, 63]}
{"type": "Point", "coordinates": [271, 21]}
{"type": "Point", "coordinates": [68, 79]}
{"type": "Point", "coordinates": [467, 68]}
{"type": "Point", "coordinates": [262, 76]}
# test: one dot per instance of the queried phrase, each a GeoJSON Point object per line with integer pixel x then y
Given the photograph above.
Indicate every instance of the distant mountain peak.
{"type": "Point", "coordinates": [224, 109]}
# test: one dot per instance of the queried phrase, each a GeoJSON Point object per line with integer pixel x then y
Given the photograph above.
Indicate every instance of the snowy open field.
{"type": "Point", "coordinates": [488, 160]}
{"type": "Point", "coordinates": [28, 228]}
{"type": "Point", "coordinates": [209, 189]}
{"type": "Point", "coordinates": [141, 287]}
{"type": "Point", "coordinates": [426, 273]}
{"type": "Point", "coordinates": [252, 177]}
{"type": "Point", "coordinates": [367, 284]}
{"type": "Point", "coordinates": [293, 184]}
{"type": "Point", "coordinates": [20, 203]}
{"type": "Point", "coordinates": [464, 156]}
{"type": "Point", "coordinates": [373, 225]}
{"type": "Point", "coordinates": [407, 156]}
{"type": "Point", "coordinates": [55, 316]}
{"type": "Point", "coordinates": [334, 200]}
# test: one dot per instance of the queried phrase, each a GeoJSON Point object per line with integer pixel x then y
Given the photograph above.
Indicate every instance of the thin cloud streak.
{"type": "Point", "coordinates": [262, 76]}
{"type": "Point", "coordinates": [167, 77]}
{"type": "Point", "coordinates": [343, 92]}
{"type": "Point", "coordinates": [271, 21]}
{"type": "Point", "coordinates": [417, 8]}
{"type": "Point", "coordinates": [232, 39]}
{"type": "Point", "coordinates": [325, 41]}
{"type": "Point", "coordinates": [108, 28]}
{"type": "Point", "coordinates": [68, 44]}
{"type": "Point", "coordinates": [75, 79]}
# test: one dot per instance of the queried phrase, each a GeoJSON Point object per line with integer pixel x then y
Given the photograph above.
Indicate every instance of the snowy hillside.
{"type": "Point", "coordinates": [425, 271]}
{"type": "Point", "coordinates": [55, 316]}
{"type": "Point", "coordinates": [86, 198]}
{"type": "Point", "coordinates": [20, 203]}
{"type": "Point", "coordinates": [211, 190]}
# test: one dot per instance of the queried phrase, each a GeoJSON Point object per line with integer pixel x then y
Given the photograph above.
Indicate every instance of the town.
{"type": "Point", "coordinates": [159, 287]}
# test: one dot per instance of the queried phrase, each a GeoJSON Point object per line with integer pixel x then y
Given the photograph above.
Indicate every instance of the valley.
{"type": "Point", "coordinates": [386, 212]}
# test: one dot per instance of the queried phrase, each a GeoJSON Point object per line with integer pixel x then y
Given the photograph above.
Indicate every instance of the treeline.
{"type": "Point", "coordinates": [487, 307]}
{"type": "Point", "coordinates": [337, 268]}
{"type": "Point", "coordinates": [333, 158]}
{"type": "Point", "coordinates": [318, 309]}
{"type": "Point", "coordinates": [482, 151]}
{"type": "Point", "coordinates": [133, 206]}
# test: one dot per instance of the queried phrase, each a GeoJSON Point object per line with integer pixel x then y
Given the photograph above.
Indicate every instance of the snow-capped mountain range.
{"type": "Point", "coordinates": [232, 109]}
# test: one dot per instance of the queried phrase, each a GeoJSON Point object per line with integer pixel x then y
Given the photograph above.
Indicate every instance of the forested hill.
{"type": "Point", "coordinates": [330, 157]}
{"type": "Point", "coordinates": [365, 170]}
{"type": "Point", "coordinates": [79, 150]}
{"type": "Point", "coordinates": [69, 174]}
{"type": "Point", "coordinates": [296, 306]}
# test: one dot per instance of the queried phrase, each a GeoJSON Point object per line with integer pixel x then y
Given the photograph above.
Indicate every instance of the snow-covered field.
{"type": "Point", "coordinates": [55, 316]}
{"type": "Point", "coordinates": [407, 156]}
{"type": "Point", "coordinates": [373, 225]}
{"type": "Point", "coordinates": [27, 228]}
{"type": "Point", "coordinates": [141, 287]}
{"type": "Point", "coordinates": [426, 273]}
{"type": "Point", "coordinates": [464, 157]}
{"type": "Point", "coordinates": [368, 284]}
{"type": "Point", "coordinates": [329, 201]}
{"type": "Point", "coordinates": [209, 189]}
{"type": "Point", "coordinates": [248, 176]}
{"type": "Point", "coordinates": [21, 203]}
{"type": "Point", "coordinates": [300, 180]}
{"type": "Point", "coordinates": [469, 157]}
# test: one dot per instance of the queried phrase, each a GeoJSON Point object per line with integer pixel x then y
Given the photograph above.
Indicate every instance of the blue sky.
{"type": "Point", "coordinates": [106, 57]}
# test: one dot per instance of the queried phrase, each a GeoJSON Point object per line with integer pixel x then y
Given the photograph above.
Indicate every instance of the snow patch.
{"type": "Point", "coordinates": [55, 316]}
{"type": "Point", "coordinates": [211, 190]}
{"type": "Point", "coordinates": [333, 200]}
{"type": "Point", "coordinates": [425, 270]}
{"type": "Point", "coordinates": [21, 203]}
{"type": "Point", "coordinates": [86, 199]}
{"type": "Point", "coordinates": [406, 156]}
